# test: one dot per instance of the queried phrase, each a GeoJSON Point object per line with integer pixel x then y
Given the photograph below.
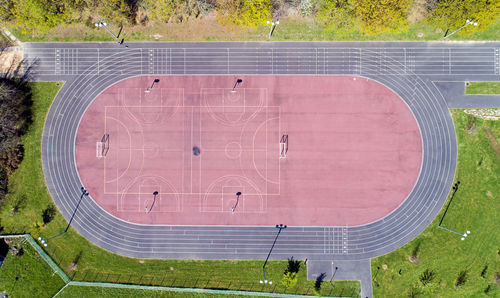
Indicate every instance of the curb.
{"type": "Point", "coordinates": [11, 36]}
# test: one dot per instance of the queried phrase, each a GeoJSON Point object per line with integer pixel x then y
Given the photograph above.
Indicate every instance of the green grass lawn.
{"type": "Point", "coordinates": [82, 291]}
{"type": "Point", "coordinates": [84, 261]}
{"type": "Point", "coordinates": [208, 29]}
{"type": "Point", "coordinates": [475, 207]}
{"type": "Point", "coordinates": [27, 275]}
{"type": "Point", "coordinates": [27, 185]}
{"type": "Point", "coordinates": [483, 88]}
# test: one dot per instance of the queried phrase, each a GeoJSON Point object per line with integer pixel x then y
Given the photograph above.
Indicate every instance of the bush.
{"type": "Point", "coordinates": [293, 266]}
{"type": "Point", "coordinates": [461, 279]}
{"type": "Point", "coordinates": [485, 269]}
{"type": "Point", "coordinates": [160, 10]}
{"type": "Point", "coordinates": [48, 214]}
{"type": "Point", "coordinates": [244, 13]}
{"type": "Point", "coordinates": [317, 284]}
{"type": "Point", "coordinates": [335, 14]}
{"type": "Point", "coordinates": [289, 279]}
{"type": "Point", "coordinates": [3, 181]}
{"type": "Point", "coordinates": [426, 277]}
{"type": "Point", "coordinates": [19, 204]}
{"type": "Point", "coordinates": [306, 7]}
{"type": "Point", "coordinates": [383, 16]}
{"type": "Point", "coordinates": [414, 291]}
{"type": "Point", "coordinates": [15, 118]}
{"type": "Point", "coordinates": [290, 275]}
{"type": "Point", "coordinates": [452, 14]}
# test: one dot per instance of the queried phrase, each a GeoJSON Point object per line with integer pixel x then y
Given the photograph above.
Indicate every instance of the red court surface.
{"type": "Point", "coordinates": [354, 150]}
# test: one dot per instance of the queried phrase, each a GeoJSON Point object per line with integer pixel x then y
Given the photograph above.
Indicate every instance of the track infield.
{"type": "Point", "coordinates": [354, 150]}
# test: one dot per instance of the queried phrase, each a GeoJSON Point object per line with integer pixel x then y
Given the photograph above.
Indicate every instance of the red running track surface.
{"type": "Point", "coordinates": [354, 150]}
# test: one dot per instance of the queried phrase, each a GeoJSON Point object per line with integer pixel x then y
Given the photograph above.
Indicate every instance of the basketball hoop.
{"type": "Point", "coordinates": [283, 146]}
{"type": "Point", "coordinates": [102, 147]}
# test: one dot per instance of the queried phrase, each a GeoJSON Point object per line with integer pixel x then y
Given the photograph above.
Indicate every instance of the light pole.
{"type": "Point", "coordinates": [468, 22]}
{"type": "Point", "coordinates": [151, 87]}
{"type": "Point", "coordinates": [455, 189]}
{"type": "Point", "coordinates": [84, 193]}
{"type": "Point", "coordinates": [103, 24]}
{"type": "Point", "coordinates": [464, 235]}
{"type": "Point", "coordinates": [265, 281]}
{"type": "Point", "coordinates": [273, 25]}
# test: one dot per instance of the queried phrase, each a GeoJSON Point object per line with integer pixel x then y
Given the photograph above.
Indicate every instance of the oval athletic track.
{"type": "Point", "coordinates": [234, 242]}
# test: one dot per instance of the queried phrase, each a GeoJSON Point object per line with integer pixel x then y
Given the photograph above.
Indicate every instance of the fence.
{"type": "Point", "coordinates": [93, 278]}
{"type": "Point", "coordinates": [327, 288]}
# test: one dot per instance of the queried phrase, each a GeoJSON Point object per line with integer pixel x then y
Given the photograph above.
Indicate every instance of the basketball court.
{"type": "Point", "coordinates": [209, 150]}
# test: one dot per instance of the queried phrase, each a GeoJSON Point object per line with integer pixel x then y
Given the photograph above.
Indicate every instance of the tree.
{"type": "Point", "coordinates": [461, 279]}
{"type": "Point", "coordinates": [381, 16]}
{"type": "Point", "coordinates": [289, 279]}
{"type": "Point", "coordinates": [5, 9]}
{"type": "Point", "coordinates": [48, 214]}
{"type": "Point", "coordinates": [244, 13]}
{"type": "Point", "coordinates": [426, 277]}
{"type": "Point", "coordinates": [335, 13]}
{"type": "Point", "coordinates": [175, 10]}
{"type": "Point", "coordinates": [452, 14]}
{"type": "Point", "coordinates": [15, 118]}
{"type": "Point", "coordinates": [290, 275]}
{"type": "Point", "coordinates": [38, 16]}
{"type": "Point", "coordinates": [160, 10]}
{"type": "Point", "coordinates": [114, 11]}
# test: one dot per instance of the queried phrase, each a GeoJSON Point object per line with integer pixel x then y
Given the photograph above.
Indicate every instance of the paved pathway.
{"type": "Point", "coordinates": [412, 70]}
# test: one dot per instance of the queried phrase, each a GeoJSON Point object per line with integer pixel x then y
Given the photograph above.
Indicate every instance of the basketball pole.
{"type": "Point", "coordinates": [238, 194]}
{"type": "Point", "coordinates": [151, 87]}
{"type": "Point", "coordinates": [236, 83]}
{"type": "Point", "coordinates": [154, 200]}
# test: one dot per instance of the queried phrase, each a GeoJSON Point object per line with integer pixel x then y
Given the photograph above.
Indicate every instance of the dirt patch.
{"type": "Point", "coordinates": [497, 279]}
{"type": "Point", "coordinates": [72, 267]}
{"type": "Point", "coordinates": [157, 36]}
{"type": "Point", "coordinates": [11, 62]}
{"type": "Point", "coordinates": [417, 12]}
{"type": "Point", "coordinates": [470, 125]}
{"type": "Point", "coordinates": [384, 267]}
{"type": "Point", "coordinates": [486, 114]}
{"type": "Point", "coordinates": [414, 259]}
{"type": "Point", "coordinates": [493, 141]}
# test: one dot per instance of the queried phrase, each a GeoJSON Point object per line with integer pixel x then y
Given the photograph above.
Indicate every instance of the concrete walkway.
{"type": "Point", "coordinates": [454, 94]}
{"type": "Point", "coordinates": [343, 270]}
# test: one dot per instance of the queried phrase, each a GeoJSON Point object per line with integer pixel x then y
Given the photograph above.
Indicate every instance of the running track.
{"type": "Point", "coordinates": [423, 74]}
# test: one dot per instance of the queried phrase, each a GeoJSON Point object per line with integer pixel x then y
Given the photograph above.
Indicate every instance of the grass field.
{"type": "Point", "coordinates": [475, 207]}
{"type": "Point", "coordinates": [483, 88]}
{"type": "Point", "coordinates": [82, 291]}
{"type": "Point", "coordinates": [27, 275]}
{"type": "Point", "coordinates": [208, 29]}
{"type": "Point", "coordinates": [27, 188]}
{"type": "Point", "coordinates": [84, 261]}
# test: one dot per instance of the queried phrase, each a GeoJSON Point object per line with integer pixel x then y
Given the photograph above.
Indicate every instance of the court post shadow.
{"type": "Point", "coordinates": [238, 194]}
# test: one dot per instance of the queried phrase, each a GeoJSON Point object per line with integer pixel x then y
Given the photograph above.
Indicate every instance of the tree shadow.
{"type": "Point", "coordinates": [293, 266]}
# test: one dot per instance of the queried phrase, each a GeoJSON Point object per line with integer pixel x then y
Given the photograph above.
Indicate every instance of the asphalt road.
{"type": "Point", "coordinates": [421, 73]}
